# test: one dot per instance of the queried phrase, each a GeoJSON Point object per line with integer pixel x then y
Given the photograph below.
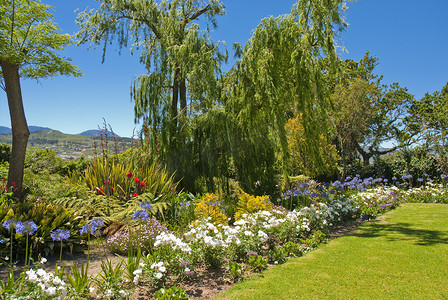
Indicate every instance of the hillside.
{"type": "Point", "coordinates": [67, 146]}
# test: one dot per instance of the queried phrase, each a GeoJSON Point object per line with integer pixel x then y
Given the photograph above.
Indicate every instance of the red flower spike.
{"type": "Point", "coordinates": [142, 184]}
{"type": "Point", "coordinates": [136, 180]}
{"type": "Point", "coordinates": [129, 175]}
{"type": "Point", "coordinates": [135, 195]}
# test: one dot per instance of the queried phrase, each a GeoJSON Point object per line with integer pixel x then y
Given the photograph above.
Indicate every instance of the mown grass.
{"type": "Point", "coordinates": [402, 255]}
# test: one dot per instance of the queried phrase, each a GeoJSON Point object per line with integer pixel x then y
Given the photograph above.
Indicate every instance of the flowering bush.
{"type": "Point", "coordinates": [142, 236]}
{"type": "Point", "coordinates": [209, 206]}
{"type": "Point", "coordinates": [249, 204]}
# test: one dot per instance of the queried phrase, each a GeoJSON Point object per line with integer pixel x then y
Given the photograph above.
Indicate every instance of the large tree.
{"type": "Point", "coordinates": [181, 60]}
{"type": "Point", "coordinates": [29, 42]}
{"type": "Point", "coordinates": [282, 73]}
{"type": "Point", "coordinates": [432, 113]}
{"type": "Point", "coordinates": [370, 118]}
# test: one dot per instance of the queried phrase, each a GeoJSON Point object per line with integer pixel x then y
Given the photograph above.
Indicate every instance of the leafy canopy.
{"type": "Point", "coordinates": [30, 40]}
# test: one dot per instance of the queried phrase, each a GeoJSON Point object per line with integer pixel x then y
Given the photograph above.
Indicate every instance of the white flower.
{"type": "Point", "coordinates": [51, 291]}
{"type": "Point", "coordinates": [108, 293]}
{"type": "Point", "coordinates": [123, 293]}
{"type": "Point", "coordinates": [162, 269]}
{"type": "Point", "coordinates": [159, 275]}
{"type": "Point", "coordinates": [248, 233]}
{"type": "Point", "coordinates": [91, 289]}
{"type": "Point", "coordinates": [43, 260]}
{"type": "Point", "coordinates": [137, 272]}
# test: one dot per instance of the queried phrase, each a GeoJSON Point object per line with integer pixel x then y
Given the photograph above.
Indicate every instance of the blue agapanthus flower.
{"type": "Point", "coordinates": [1, 240]}
{"type": "Point", "coordinates": [140, 215]}
{"type": "Point", "coordinates": [92, 227]}
{"type": "Point", "coordinates": [146, 205]}
{"type": "Point", "coordinates": [60, 235]}
{"type": "Point", "coordinates": [10, 224]}
{"type": "Point", "coordinates": [29, 227]}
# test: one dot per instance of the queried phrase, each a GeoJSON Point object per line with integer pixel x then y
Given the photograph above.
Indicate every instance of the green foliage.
{"type": "Point", "coordinates": [173, 293]}
{"type": "Point", "coordinates": [301, 161]}
{"type": "Point", "coordinates": [281, 74]}
{"type": "Point", "coordinates": [236, 270]}
{"type": "Point", "coordinates": [5, 152]}
{"type": "Point", "coordinates": [30, 39]}
{"type": "Point", "coordinates": [47, 217]}
{"type": "Point", "coordinates": [110, 279]}
{"type": "Point", "coordinates": [257, 262]}
{"type": "Point", "coordinates": [42, 160]}
{"type": "Point", "coordinates": [80, 280]}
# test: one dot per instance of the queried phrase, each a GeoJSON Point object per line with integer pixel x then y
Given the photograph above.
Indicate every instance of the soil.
{"type": "Point", "coordinates": [207, 283]}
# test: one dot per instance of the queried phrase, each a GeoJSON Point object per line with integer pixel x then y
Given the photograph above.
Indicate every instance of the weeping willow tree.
{"type": "Point", "coordinates": [283, 71]}
{"type": "Point", "coordinates": [181, 60]}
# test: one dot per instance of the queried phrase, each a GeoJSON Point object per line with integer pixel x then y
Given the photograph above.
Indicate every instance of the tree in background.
{"type": "Point", "coordinates": [29, 41]}
{"type": "Point", "coordinates": [367, 114]}
{"type": "Point", "coordinates": [282, 73]}
{"type": "Point", "coordinates": [432, 112]}
{"type": "Point", "coordinates": [181, 60]}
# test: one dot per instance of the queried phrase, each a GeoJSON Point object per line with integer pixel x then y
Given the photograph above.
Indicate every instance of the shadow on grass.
{"type": "Point", "coordinates": [402, 231]}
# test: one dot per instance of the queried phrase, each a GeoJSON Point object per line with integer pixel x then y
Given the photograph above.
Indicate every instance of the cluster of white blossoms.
{"type": "Point", "coordinates": [159, 269]}
{"type": "Point", "coordinates": [380, 194]}
{"type": "Point", "coordinates": [137, 273]}
{"type": "Point", "coordinates": [48, 283]}
{"type": "Point", "coordinates": [170, 240]}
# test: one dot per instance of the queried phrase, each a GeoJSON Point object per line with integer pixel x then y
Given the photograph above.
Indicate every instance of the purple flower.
{"type": "Point", "coordinates": [140, 215]}
{"type": "Point", "coordinates": [92, 227]}
{"type": "Point", "coordinates": [60, 235]}
{"type": "Point", "coordinates": [420, 179]}
{"type": "Point", "coordinates": [29, 227]}
{"type": "Point", "coordinates": [10, 224]}
{"type": "Point", "coordinates": [146, 205]}
{"type": "Point", "coordinates": [1, 240]}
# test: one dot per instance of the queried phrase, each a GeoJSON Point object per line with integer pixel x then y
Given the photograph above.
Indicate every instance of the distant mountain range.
{"type": "Point", "coordinates": [91, 133]}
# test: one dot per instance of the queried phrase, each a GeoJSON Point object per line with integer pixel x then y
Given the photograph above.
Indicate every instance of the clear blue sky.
{"type": "Point", "coordinates": [410, 38]}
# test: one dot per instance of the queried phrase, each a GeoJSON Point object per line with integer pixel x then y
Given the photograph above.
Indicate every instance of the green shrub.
{"type": "Point", "coordinates": [5, 152]}
{"type": "Point", "coordinates": [48, 217]}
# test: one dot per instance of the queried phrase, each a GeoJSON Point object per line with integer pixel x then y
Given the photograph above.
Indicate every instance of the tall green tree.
{"type": "Point", "coordinates": [181, 60]}
{"type": "Point", "coordinates": [29, 42]}
{"type": "Point", "coordinates": [432, 113]}
{"type": "Point", "coordinates": [370, 118]}
{"type": "Point", "coordinates": [283, 72]}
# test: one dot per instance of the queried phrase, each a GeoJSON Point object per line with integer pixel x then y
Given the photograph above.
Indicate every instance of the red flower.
{"type": "Point", "coordinates": [4, 180]}
{"type": "Point", "coordinates": [100, 192]}
{"type": "Point", "coordinates": [142, 184]}
{"type": "Point", "coordinates": [135, 195]}
{"type": "Point", "coordinates": [136, 180]}
{"type": "Point", "coordinates": [112, 188]}
{"type": "Point", "coordinates": [129, 175]}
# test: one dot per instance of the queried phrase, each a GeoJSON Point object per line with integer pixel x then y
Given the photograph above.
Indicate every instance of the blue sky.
{"type": "Point", "coordinates": [408, 36]}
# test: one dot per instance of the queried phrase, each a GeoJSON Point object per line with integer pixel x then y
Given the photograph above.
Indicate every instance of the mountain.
{"type": "Point", "coordinates": [37, 128]}
{"type": "Point", "coordinates": [97, 133]}
{"type": "Point", "coordinates": [7, 130]}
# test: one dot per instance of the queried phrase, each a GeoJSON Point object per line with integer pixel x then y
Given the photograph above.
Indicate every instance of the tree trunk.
{"type": "Point", "coordinates": [20, 132]}
{"type": "Point", "coordinates": [175, 98]}
{"type": "Point", "coordinates": [183, 97]}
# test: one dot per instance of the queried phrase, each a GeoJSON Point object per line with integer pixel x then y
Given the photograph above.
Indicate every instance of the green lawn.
{"type": "Point", "coordinates": [402, 255]}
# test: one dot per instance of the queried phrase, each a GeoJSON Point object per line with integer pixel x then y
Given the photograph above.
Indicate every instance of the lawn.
{"type": "Point", "coordinates": [402, 255]}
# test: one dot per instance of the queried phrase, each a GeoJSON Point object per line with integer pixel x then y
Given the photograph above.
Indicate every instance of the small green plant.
{"type": "Point", "coordinates": [314, 240]}
{"type": "Point", "coordinates": [79, 279]}
{"type": "Point", "coordinates": [236, 271]}
{"type": "Point", "coordinates": [278, 255]}
{"type": "Point", "coordinates": [292, 249]}
{"type": "Point", "coordinates": [257, 262]}
{"type": "Point", "coordinates": [173, 293]}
